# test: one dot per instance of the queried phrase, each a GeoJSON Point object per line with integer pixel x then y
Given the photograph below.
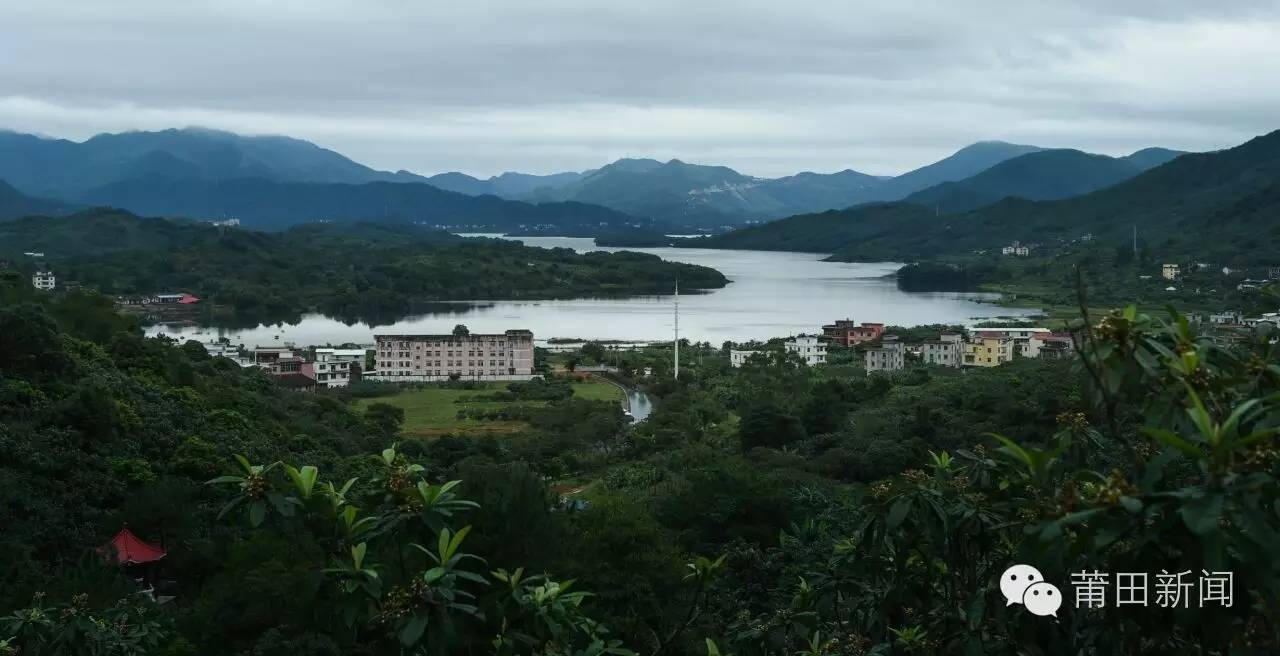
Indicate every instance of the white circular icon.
{"type": "Point", "coordinates": [1015, 580]}
{"type": "Point", "coordinates": [1042, 599]}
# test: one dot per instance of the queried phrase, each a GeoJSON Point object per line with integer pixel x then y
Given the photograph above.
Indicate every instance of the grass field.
{"type": "Point", "coordinates": [433, 411]}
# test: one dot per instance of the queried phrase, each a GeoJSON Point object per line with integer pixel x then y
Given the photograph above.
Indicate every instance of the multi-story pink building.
{"type": "Point", "coordinates": [505, 356]}
{"type": "Point", "coordinates": [847, 333]}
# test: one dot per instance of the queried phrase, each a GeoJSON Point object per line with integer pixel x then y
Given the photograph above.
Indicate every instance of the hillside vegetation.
{"type": "Point", "coordinates": [371, 271]}
{"type": "Point", "coordinates": [1219, 207]}
{"type": "Point", "coordinates": [773, 508]}
{"type": "Point", "coordinates": [1043, 175]}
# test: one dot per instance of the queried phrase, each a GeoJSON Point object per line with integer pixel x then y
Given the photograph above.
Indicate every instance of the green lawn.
{"type": "Point", "coordinates": [597, 391]}
{"type": "Point", "coordinates": [433, 411]}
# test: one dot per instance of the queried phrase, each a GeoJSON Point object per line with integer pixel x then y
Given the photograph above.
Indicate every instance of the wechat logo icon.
{"type": "Point", "coordinates": [1024, 584]}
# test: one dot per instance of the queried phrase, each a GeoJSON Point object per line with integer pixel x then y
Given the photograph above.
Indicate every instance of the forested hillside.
{"type": "Point", "coordinates": [1219, 207]}
{"type": "Point", "coordinates": [773, 508]}
{"type": "Point", "coordinates": [1043, 175]}
{"type": "Point", "coordinates": [14, 204]}
{"type": "Point", "coordinates": [348, 270]}
{"type": "Point", "coordinates": [270, 205]}
{"type": "Point", "coordinates": [62, 168]}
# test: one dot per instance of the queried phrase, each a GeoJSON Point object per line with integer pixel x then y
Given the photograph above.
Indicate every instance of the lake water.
{"type": "Point", "coordinates": [773, 294]}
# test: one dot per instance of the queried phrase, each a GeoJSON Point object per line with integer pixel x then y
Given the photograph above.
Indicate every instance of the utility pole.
{"type": "Point", "coordinates": [677, 340]}
{"type": "Point", "coordinates": [1135, 243]}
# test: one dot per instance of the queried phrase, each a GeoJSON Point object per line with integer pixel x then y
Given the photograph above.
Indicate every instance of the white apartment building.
{"type": "Point", "coordinates": [738, 358]}
{"type": "Point", "coordinates": [946, 351]}
{"type": "Point", "coordinates": [44, 280]}
{"type": "Point", "coordinates": [889, 356]}
{"type": "Point", "coordinates": [810, 348]}
{"type": "Point", "coordinates": [422, 358]}
{"type": "Point", "coordinates": [332, 366]}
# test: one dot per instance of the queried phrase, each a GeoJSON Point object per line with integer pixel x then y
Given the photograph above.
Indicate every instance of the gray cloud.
{"type": "Point", "coordinates": [767, 87]}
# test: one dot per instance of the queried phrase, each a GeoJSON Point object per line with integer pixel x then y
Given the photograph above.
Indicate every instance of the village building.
{"type": "Point", "coordinates": [847, 333]}
{"type": "Point", "coordinates": [500, 356]}
{"type": "Point", "coordinates": [334, 367]}
{"type": "Point", "coordinates": [889, 356]}
{"type": "Point", "coordinates": [946, 351]}
{"type": "Point", "coordinates": [1170, 272]}
{"type": "Point", "coordinates": [1227, 317]}
{"type": "Point", "coordinates": [1021, 337]}
{"type": "Point", "coordinates": [1052, 346]}
{"type": "Point", "coordinates": [175, 298]}
{"type": "Point", "coordinates": [44, 280]}
{"type": "Point", "coordinates": [810, 348]}
{"type": "Point", "coordinates": [988, 349]}
{"type": "Point", "coordinates": [1017, 249]}
{"type": "Point", "coordinates": [737, 358]}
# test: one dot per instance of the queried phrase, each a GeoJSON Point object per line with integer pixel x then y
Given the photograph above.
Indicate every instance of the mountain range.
{"type": "Point", "coordinates": [1039, 175]}
{"type": "Point", "coordinates": [273, 182]}
{"type": "Point", "coordinates": [14, 204]}
{"type": "Point", "coordinates": [1221, 206]}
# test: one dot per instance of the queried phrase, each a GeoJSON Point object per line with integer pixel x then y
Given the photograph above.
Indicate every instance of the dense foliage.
{"type": "Point", "coordinates": [352, 271]}
{"type": "Point", "coordinates": [773, 508]}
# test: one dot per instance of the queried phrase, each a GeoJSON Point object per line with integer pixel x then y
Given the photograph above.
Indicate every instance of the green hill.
{"type": "Point", "coordinates": [273, 205]}
{"type": "Point", "coordinates": [14, 204]}
{"type": "Point", "coordinates": [964, 163]}
{"type": "Point", "coordinates": [64, 169]}
{"type": "Point", "coordinates": [1220, 206]}
{"type": "Point", "coordinates": [350, 270]}
{"type": "Point", "coordinates": [1043, 175]}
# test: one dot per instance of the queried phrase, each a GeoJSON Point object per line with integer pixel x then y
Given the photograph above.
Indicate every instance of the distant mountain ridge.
{"type": "Point", "coordinates": [1040, 175]}
{"type": "Point", "coordinates": [676, 192]}
{"type": "Point", "coordinates": [1221, 206]}
{"type": "Point", "coordinates": [214, 174]}
{"type": "Point", "coordinates": [510, 185]}
{"type": "Point", "coordinates": [14, 204]}
{"type": "Point", "coordinates": [67, 169]}
{"type": "Point", "coordinates": [271, 205]}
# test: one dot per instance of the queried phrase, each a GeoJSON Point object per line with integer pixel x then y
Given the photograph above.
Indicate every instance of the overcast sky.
{"type": "Point", "coordinates": [769, 88]}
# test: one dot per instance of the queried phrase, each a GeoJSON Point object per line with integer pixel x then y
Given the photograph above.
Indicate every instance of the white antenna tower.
{"type": "Point", "coordinates": [677, 340]}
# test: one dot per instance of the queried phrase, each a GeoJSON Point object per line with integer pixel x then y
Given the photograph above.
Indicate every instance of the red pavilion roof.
{"type": "Point", "coordinates": [129, 550]}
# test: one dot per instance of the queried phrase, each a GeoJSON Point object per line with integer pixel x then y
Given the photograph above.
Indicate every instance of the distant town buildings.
{"type": "Point", "coordinates": [503, 356]}
{"type": "Point", "coordinates": [1017, 249]}
{"type": "Point", "coordinates": [889, 356]}
{"type": "Point", "coordinates": [231, 223]}
{"type": "Point", "coordinates": [847, 333]}
{"type": "Point", "coordinates": [946, 351]}
{"type": "Point", "coordinates": [1227, 317]}
{"type": "Point", "coordinates": [1170, 272]}
{"type": "Point", "coordinates": [737, 358]}
{"type": "Point", "coordinates": [43, 279]}
{"type": "Point", "coordinates": [810, 348]}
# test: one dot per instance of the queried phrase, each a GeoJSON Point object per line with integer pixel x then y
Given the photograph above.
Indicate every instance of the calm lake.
{"type": "Point", "coordinates": [773, 294]}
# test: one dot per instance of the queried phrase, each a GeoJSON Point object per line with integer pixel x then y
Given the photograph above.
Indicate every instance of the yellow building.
{"type": "Point", "coordinates": [988, 350]}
